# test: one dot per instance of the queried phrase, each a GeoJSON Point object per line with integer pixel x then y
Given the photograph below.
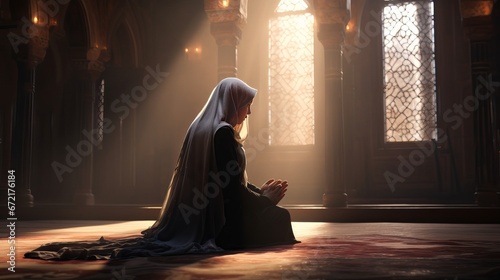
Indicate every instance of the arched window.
{"type": "Point", "coordinates": [291, 74]}
{"type": "Point", "coordinates": [409, 71]}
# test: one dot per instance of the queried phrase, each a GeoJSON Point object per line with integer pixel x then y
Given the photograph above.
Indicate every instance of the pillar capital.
{"type": "Point", "coordinates": [226, 11]}
{"type": "Point", "coordinates": [93, 64]}
{"type": "Point", "coordinates": [33, 52]}
{"type": "Point", "coordinates": [332, 11]}
{"type": "Point", "coordinates": [97, 59]}
{"type": "Point", "coordinates": [479, 28]}
{"type": "Point", "coordinates": [332, 18]}
{"type": "Point", "coordinates": [476, 8]}
{"type": "Point", "coordinates": [331, 35]}
{"type": "Point", "coordinates": [476, 18]}
{"type": "Point", "coordinates": [227, 18]}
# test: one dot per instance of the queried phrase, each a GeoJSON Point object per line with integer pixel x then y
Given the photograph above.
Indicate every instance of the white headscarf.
{"type": "Point", "coordinates": [191, 217]}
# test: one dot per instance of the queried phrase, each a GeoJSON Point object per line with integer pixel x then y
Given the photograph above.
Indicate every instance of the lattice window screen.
{"type": "Point", "coordinates": [291, 75]}
{"type": "Point", "coordinates": [100, 113]}
{"type": "Point", "coordinates": [409, 71]}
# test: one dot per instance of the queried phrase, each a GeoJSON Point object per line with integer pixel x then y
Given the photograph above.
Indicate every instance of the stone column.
{"type": "Point", "coordinates": [478, 26]}
{"type": "Point", "coordinates": [89, 73]}
{"type": "Point", "coordinates": [28, 56]}
{"type": "Point", "coordinates": [226, 21]}
{"type": "Point", "coordinates": [331, 19]}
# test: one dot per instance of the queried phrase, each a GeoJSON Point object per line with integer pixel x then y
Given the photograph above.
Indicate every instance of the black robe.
{"type": "Point", "coordinates": [251, 219]}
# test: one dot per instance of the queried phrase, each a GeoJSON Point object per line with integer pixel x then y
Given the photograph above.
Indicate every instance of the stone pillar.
{"type": "Point", "coordinates": [22, 136]}
{"type": "Point", "coordinates": [28, 56]}
{"type": "Point", "coordinates": [89, 73]}
{"type": "Point", "coordinates": [226, 21]}
{"type": "Point", "coordinates": [331, 19]}
{"type": "Point", "coordinates": [478, 26]}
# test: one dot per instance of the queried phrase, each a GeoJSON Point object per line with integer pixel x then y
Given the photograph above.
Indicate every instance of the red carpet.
{"type": "Point", "coordinates": [319, 256]}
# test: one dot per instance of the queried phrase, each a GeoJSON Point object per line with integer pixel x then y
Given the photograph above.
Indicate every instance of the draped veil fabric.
{"type": "Point", "coordinates": [193, 211]}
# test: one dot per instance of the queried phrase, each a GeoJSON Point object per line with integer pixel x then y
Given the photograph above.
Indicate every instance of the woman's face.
{"type": "Point", "coordinates": [244, 112]}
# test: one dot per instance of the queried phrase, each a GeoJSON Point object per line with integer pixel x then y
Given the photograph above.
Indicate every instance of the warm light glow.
{"type": "Point", "coordinates": [291, 5]}
{"type": "Point", "coordinates": [291, 75]}
{"type": "Point", "coordinates": [193, 53]}
{"type": "Point", "coordinates": [112, 228]}
{"type": "Point", "coordinates": [225, 3]}
{"type": "Point", "coordinates": [350, 27]}
{"type": "Point", "coordinates": [476, 8]}
{"type": "Point", "coordinates": [35, 20]}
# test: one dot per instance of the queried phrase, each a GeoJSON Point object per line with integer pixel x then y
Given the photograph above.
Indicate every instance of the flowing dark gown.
{"type": "Point", "coordinates": [209, 206]}
{"type": "Point", "coordinates": [251, 219]}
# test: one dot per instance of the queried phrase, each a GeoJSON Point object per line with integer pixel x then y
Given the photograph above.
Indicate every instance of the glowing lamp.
{"type": "Point", "coordinates": [224, 3]}
{"type": "Point", "coordinates": [193, 53]}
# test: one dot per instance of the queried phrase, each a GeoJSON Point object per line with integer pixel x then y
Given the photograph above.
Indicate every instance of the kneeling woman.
{"type": "Point", "coordinates": [209, 199]}
{"type": "Point", "coordinates": [209, 206]}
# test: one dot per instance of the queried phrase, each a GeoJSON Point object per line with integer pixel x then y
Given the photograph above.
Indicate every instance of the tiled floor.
{"type": "Point", "coordinates": [327, 251]}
